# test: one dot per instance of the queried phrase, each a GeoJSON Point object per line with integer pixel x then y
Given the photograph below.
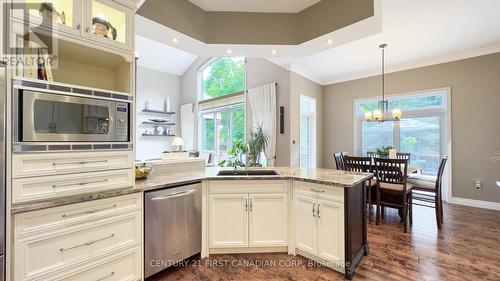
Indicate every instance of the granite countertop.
{"type": "Point", "coordinates": [322, 176]}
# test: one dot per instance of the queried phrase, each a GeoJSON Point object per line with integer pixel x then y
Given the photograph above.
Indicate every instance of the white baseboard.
{"type": "Point", "coordinates": [474, 203]}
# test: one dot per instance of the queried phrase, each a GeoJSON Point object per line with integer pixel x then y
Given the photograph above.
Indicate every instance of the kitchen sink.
{"type": "Point", "coordinates": [247, 173]}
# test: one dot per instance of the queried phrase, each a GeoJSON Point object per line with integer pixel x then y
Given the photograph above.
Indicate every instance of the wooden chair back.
{"type": "Point", "coordinates": [371, 154]}
{"type": "Point", "coordinates": [439, 177]}
{"type": "Point", "coordinates": [358, 164]}
{"type": "Point", "coordinates": [393, 171]}
{"type": "Point", "coordinates": [339, 160]}
{"type": "Point", "coordinates": [403, 155]}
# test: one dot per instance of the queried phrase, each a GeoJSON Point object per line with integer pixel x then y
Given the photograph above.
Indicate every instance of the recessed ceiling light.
{"type": "Point", "coordinates": [274, 52]}
{"type": "Point", "coordinates": [329, 41]}
{"type": "Point", "coordinates": [229, 51]}
{"type": "Point", "coordinates": [175, 40]}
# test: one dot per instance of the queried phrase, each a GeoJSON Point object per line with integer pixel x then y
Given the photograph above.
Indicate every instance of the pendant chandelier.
{"type": "Point", "coordinates": [381, 114]}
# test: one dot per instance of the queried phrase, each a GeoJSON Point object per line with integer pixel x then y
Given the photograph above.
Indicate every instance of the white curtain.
{"type": "Point", "coordinates": [263, 104]}
{"type": "Point", "coordinates": [187, 125]}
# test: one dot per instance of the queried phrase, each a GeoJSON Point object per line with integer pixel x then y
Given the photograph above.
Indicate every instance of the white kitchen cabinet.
{"type": "Point", "coordinates": [330, 221]}
{"type": "Point", "coordinates": [319, 225]}
{"type": "Point", "coordinates": [228, 220]}
{"type": "Point", "coordinates": [305, 224]}
{"type": "Point", "coordinates": [243, 214]}
{"type": "Point", "coordinates": [268, 220]}
{"type": "Point", "coordinates": [72, 238]}
{"type": "Point", "coordinates": [74, 19]}
{"type": "Point", "coordinates": [44, 164]}
{"type": "Point", "coordinates": [49, 187]}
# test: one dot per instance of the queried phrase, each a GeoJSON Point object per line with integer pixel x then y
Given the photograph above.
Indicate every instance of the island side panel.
{"type": "Point", "coordinates": [355, 227]}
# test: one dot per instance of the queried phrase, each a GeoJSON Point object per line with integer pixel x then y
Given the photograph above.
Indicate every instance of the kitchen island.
{"type": "Point", "coordinates": [316, 213]}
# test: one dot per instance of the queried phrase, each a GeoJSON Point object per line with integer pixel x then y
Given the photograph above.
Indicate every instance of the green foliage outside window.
{"type": "Point", "coordinates": [223, 77]}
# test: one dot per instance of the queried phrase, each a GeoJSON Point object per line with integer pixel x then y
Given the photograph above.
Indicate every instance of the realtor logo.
{"type": "Point", "coordinates": [32, 41]}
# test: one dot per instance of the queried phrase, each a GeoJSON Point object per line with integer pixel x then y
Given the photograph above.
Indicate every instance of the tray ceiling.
{"type": "Point", "coordinates": [257, 6]}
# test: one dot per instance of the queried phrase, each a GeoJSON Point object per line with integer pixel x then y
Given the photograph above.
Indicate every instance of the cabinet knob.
{"type": "Point", "coordinates": [87, 29]}
{"type": "Point", "coordinates": [78, 26]}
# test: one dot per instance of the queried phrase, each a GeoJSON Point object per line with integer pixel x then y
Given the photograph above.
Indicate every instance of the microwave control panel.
{"type": "Point", "coordinates": [121, 124]}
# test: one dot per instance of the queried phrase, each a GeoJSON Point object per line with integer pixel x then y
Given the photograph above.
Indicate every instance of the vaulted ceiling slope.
{"type": "Point", "coordinates": [249, 26]}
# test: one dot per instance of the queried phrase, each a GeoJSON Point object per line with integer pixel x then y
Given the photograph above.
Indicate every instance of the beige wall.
{"type": "Point", "coordinates": [475, 102]}
{"type": "Point", "coordinates": [318, 19]}
{"type": "Point", "coordinates": [154, 86]}
{"type": "Point", "coordinates": [290, 86]}
{"type": "Point", "coordinates": [303, 86]}
{"type": "Point", "coordinates": [256, 28]}
{"type": "Point", "coordinates": [259, 72]}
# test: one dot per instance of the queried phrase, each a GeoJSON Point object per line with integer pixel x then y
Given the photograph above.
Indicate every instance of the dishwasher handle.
{"type": "Point", "coordinates": [174, 195]}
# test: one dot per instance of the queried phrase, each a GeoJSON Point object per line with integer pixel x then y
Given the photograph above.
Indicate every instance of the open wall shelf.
{"type": "Point", "coordinates": [158, 111]}
{"type": "Point", "coordinates": [158, 124]}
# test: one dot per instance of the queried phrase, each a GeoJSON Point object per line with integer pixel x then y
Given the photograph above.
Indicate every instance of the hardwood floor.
{"type": "Point", "coordinates": [466, 248]}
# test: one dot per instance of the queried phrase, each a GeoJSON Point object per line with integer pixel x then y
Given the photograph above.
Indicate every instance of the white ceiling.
{"type": "Point", "coordinates": [161, 57]}
{"type": "Point", "coordinates": [260, 6]}
{"type": "Point", "coordinates": [418, 33]}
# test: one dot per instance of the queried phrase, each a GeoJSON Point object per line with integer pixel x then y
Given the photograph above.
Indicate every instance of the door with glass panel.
{"type": "Point", "coordinates": [109, 23]}
{"type": "Point", "coordinates": [307, 144]}
{"type": "Point", "coordinates": [220, 128]}
{"type": "Point", "coordinates": [61, 15]}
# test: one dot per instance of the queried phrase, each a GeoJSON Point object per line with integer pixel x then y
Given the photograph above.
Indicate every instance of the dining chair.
{"type": "Point", "coordinates": [194, 154]}
{"type": "Point", "coordinates": [363, 165]}
{"type": "Point", "coordinates": [211, 159]}
{"type": "Point", "coordinates": [403, 155]}
{"type": "Point", "coordinates": [339, 160]}
{"type": "Point", "coordinates": [392, 189]}
{"type": "Point", "coordinates": [371, 154]}
{"type": "Point", "coordinates": [427, 191]}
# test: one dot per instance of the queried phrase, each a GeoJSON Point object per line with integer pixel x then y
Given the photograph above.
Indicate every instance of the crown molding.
{"type": "Point", "coordinates": [495, 48]}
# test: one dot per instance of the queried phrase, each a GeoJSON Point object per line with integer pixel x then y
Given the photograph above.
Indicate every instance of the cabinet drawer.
{"type": "Point", "coordinates": [316, 190]}
{"type": "Point", "coordinates": [41, 164]}
{"type": "Point", "coordinates": [51, 219]}
{"type": "Point", "coordinates": [124, 266]}
{"type": "Point", "coordinates": [248, 186]}
{"type": "Point", "coordinates": [48, 187]}
{"type": "Point", "coordinates": [65, 249]}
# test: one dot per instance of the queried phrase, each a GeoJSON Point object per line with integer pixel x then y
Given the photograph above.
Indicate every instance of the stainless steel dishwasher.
{"type": "Point", "coordinates": [172, 226]}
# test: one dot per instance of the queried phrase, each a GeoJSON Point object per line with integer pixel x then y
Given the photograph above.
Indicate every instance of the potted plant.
{"type": "Point", "coordinates": [383, 152]}
{"type": "Point", "coordinates": [257, 143]}
{"type": "Point", "coordinates": [236, 155]}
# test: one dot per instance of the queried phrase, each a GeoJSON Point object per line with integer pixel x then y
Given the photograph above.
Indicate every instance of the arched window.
{"type": "Point", "coordinates": [222, 105]}
{"type": "Point", "coordinates": [223, 76]}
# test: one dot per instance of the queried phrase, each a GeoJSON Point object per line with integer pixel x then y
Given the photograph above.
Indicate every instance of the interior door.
{"type": "Point", "coordinates": [305, 224]}
{"type": "Point", "coordinates": [330, 215]}
{"type": "Point", "coordinates": [228, 220]}
{"type": "Point", "coordinates": [268, 220]}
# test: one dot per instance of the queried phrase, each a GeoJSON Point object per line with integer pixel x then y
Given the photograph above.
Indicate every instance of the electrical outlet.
{"type": "Point", "coordinates": [477, 184]}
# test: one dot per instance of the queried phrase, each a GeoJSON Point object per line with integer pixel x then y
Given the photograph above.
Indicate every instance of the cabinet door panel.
{"type": "Point", "coordinates": [228, 220]}
{"type": "Point", "coordinates": [268, 219]}
{"type": "Point", "coordinates": [330, 230]}
{"type": "Point", "coordinates": [305, 224]}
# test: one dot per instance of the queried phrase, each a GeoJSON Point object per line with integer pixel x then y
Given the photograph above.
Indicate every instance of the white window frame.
{"type": "Point", "coordinates": [218, 104]}
{"type": "Point", "coordinates": [445, 115]}
{"type": "Point", "coordinates": [312, 115]}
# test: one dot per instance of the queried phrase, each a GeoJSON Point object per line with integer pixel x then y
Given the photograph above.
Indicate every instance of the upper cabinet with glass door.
{"type": "Point", "coordinates": [61, 15]}
{"type": "Point", "coordinates": [109, 22]}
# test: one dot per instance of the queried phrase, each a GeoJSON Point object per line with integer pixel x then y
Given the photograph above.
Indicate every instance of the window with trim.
{"type": "Point", "coordinates": [421, 131]}
{"type": "Point", "coordinates": [222, 105]}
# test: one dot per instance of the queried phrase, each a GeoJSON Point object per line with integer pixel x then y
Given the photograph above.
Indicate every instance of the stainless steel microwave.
{"type": "Point", "coordinates": [53, 117]}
